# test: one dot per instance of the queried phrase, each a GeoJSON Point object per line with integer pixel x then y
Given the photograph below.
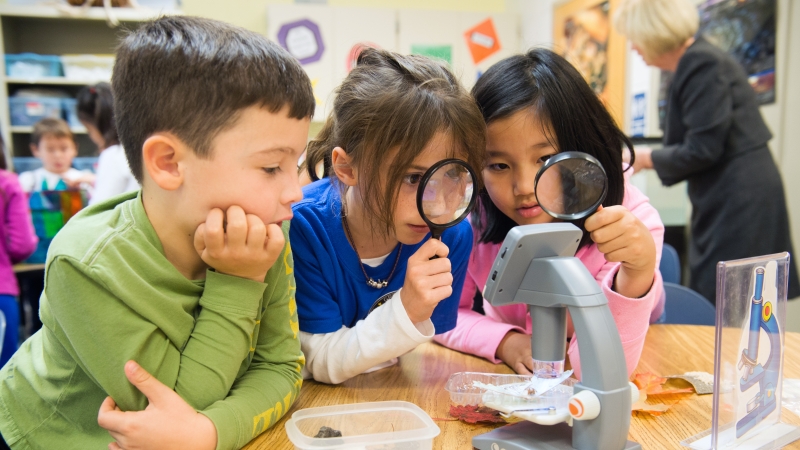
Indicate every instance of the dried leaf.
{"type": "Point", "coordinates": [641, 405]}
{"type": "Point", "coordinates": [653, 384]}
{"type": "Point", "coordinates": [475, 414]}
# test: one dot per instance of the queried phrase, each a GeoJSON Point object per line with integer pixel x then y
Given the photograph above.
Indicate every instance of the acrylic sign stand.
{"type": "Point", "coordinates": [748, 357]}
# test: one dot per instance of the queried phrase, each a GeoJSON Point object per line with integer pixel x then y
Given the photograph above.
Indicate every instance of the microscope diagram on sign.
{"type": "Point", "coordinates": [761, 356]}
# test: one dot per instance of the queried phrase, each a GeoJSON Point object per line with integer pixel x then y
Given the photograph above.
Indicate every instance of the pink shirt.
{"type": "Point", "coordinates": [481, 335]}
{"type": "Point", "coordinates": [16, 231]}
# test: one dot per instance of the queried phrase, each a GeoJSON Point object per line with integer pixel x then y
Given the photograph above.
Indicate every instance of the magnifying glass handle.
{"type": "Point", "coordinates": [436, 234]}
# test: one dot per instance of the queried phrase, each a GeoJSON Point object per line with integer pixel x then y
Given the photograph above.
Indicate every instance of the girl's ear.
{"type": "Point", "coordinates": [163, 157]}
{"type": "Point", "coordinates": [345, 172]}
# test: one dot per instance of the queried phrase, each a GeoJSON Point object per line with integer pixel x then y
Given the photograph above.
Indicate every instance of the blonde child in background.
{"type": "Point", "coordinates": [535, 106]}
{"type": "Point", "coordinates": [54, 145]}
{"type": "Point", "coordinates": [189, 279]}
{"type": "Point", "coordinates": [96, 113]}
{"type": "Point", "coordinates": [367, 288]}
{"type": "Point", "coordinates": [18, 242]}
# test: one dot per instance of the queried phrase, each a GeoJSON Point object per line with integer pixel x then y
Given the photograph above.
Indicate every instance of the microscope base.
{"type": "Point", "coordinates": [530, 436]}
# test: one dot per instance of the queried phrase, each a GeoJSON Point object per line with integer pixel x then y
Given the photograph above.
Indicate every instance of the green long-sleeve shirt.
{"type": "Point", "coordinates": [227, 345]}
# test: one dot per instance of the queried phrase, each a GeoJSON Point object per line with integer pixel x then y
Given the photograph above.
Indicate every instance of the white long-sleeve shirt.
{"type": "Point", "coordinates": [373, 343]}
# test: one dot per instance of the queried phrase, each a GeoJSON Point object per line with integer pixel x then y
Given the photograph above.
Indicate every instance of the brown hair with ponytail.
{"type": "Point", "coordinates": [385, 112]}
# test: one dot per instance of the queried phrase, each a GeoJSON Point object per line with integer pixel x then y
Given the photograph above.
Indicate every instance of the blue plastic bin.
{"type": "Point", "coordinates": [26, 111]}
{"type": "Point", "coordinates": [26, 163]}
{"type": "Point", "coordinates": [71, 112]}
{"type": "Point", "coordinates": [32, 65]}
{"type": "Point", "coordinates": [85, 163]}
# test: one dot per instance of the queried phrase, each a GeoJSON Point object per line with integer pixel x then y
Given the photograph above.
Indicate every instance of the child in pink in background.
{"type": "Point", "coordinates": [18, 242]}
{"type": "Point", "coordinates": [536, 105]}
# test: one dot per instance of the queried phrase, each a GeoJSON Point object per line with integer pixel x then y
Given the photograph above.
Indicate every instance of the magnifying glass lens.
{"type": "Point", "coordinates": [447, 194]}
{"type": "Point", "coordinates": [571, 188]}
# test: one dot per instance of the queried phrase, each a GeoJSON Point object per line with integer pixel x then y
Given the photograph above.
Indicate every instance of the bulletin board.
{"type": "Point", "coordinates": [469, 41]}
{"type": "Point", "coordinates": [325, 39]}
{"type": "Point", "coordinates": [322, 38]}
{"type": "Point", "coordinates": [584, 35]}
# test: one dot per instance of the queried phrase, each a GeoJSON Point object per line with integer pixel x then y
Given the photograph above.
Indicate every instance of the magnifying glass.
{"type": "Point", "coordinates": [446, 194]}
{"type": "Point", "coordinates": [571, 185]}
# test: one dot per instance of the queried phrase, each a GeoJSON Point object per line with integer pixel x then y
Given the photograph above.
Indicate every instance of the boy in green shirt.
{"type": "Point", "coordinates": [192, 277]}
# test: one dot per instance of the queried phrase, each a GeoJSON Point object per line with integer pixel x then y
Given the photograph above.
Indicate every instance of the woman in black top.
{"type": "Point", "coordinates": [715, 138]}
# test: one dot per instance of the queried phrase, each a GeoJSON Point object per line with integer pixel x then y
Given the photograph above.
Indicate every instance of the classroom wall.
{"type": "Point", "coordinates": [252, 14]}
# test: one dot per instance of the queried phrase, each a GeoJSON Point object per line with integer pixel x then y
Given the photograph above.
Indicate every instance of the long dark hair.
{"type": "Point", "coordinates": [96, 106]}
{"type": "Point", "coordinates": [391, 101]}
{"type": "Point", "coordinates": [573, 118]}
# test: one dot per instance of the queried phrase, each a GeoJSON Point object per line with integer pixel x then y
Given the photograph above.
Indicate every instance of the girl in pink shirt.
{"type": "Point", "coordinates": [536, 105]}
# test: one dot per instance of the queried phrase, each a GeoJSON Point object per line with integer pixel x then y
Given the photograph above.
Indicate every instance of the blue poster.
{"type": "Point", "coordinates": [638, 110]}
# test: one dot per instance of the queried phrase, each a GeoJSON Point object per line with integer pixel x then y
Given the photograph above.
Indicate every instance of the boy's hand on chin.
{"type": "Point", "coordinates": [238, 244]}
{"type": "Point", "coordinates": [168, 422]}
{"type": "Point", "coordinates": [428, 281]}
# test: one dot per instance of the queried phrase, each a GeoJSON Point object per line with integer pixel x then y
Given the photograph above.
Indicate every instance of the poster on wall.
{"type": "Point", "coordinates": [327, 40]}
{"type": "Point", "coordinates": [583, 34]}
{"type": "Point", "coordinates": [482, 41]}
{"type": "Point", "coordinates": [746, 30]}
{"type": "Point", "coordinates": [303, 40]}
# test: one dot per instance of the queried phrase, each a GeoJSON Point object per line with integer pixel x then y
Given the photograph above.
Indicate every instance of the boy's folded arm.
{"type": "Point", "coordinates": [221, 338]}
{"type": "Point", "coordinates": [384, 334]}
{"type": "Point", "coordinates": [266, 391]}
{"type": "Point", "coordinates": [102, 332]}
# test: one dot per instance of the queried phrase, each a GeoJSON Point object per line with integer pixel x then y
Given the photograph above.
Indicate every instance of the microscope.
{"type": "Point", "coordinates": [761, 317]}
{"type": "Point", "coordinates": [536, 266]}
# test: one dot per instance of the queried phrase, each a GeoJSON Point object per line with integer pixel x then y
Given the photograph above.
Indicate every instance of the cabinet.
{"type": "Point", "coordinates": [49, 30]}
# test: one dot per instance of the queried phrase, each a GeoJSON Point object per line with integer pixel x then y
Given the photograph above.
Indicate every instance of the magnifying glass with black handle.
{"type": "Point", "coordinates": [571, 185]}
{"type": "Point", "coordinates": [446, 195]}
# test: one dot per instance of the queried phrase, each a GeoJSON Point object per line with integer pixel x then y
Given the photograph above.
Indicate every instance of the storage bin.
{"type": "Point", "coordinates": [31, 65]}
{"type": "Point", "coordinates": [89, 68]}
{"type": "Point", "coordinates": [70, 106]}
{"type": "Point", "coordinates": [26, 163]}
{"type": "Point", "coordinates": [85, 163]}
{"type": "Point", "coordinates": [368, 426]}
{"type": "Point", "coordinates": [26, 111]}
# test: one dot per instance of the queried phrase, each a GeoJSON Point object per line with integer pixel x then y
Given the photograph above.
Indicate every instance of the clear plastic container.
{"type": "Point", "coordinates": [32, 65]}
{"type": "Point", "coordinates": [463, 392]}
{"type": "Point", "coordinates": [364, 426]}
{"type": "Point", "coordinates": [88, 67]}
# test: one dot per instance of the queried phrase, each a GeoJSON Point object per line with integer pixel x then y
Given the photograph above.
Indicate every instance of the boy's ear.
{"type": "Point", "coordinates": [34, 150]}
{"type": "Point", "coordinates": [345, 172]}
{"type": "Point", "coordinates": [162, 154]}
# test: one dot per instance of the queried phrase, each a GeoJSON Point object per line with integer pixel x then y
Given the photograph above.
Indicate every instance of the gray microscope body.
{"type": "Point", "coordinates": [536, 266]}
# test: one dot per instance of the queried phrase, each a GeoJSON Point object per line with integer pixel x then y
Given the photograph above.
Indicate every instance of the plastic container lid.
{"type": "Point", "coordinates": [363, 425]}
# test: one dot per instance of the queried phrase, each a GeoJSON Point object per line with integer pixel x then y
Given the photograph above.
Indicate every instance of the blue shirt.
{"type": "Point", "coordinates": [331, 288]}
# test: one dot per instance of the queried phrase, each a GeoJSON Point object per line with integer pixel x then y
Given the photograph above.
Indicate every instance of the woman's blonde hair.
{"type": "Point", "coordinates": [657, 26]}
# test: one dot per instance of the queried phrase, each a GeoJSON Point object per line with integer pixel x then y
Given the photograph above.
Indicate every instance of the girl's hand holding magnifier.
{"type": "Point", "coordinates": [623, 238]}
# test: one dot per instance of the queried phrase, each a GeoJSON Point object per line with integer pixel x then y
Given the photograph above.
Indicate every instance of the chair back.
{"type": "Point", "coordinates": [670, 266]}
{"type": "Point", "coordinates": [687, 307]}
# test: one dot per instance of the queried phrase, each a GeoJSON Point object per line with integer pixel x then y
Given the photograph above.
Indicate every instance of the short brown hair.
{"type": "Point", "coordinates": [193, 77]}
{"type": "Point", "coordinates": [50, 127]}
{"type": "Point", "coordinates": [391, 101]}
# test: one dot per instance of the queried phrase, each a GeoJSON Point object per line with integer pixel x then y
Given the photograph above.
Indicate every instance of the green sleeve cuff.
{"type": "Point", "coordinates": [226, 424]}
{"type": "Point", "coordinates": [226, 293]}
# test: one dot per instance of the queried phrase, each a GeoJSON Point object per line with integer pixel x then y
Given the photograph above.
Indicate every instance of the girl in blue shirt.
{"type": "Point", "coordinates": [367, 288]}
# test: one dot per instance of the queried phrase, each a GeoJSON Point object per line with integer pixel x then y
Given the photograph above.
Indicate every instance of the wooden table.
{"type": "Point", "coordinates": [421, 375]}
